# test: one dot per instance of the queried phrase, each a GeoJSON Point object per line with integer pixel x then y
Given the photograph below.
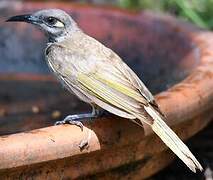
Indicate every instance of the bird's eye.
{"type": "Point", "coordinates": [51, 20]}
{"type": "Point", "coordinates": [54, 22]}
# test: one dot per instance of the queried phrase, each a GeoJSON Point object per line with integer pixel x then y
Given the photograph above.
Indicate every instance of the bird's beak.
{"type": "Point", "coordinates": [24, 18]}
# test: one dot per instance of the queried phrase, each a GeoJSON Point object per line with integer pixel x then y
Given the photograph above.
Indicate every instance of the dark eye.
{"type": "Point", "coordinates": [51, 20]}
{"type": "Point", "coordinates": [54, 22]}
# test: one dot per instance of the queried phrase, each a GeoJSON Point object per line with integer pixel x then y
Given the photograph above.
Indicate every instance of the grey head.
{"type": "Point", "coordinates": [56, 23]}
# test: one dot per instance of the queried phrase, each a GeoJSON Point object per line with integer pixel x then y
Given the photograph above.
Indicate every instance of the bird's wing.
{"type": "Point", "coordinates": [110, 84]}
{"type": "Point", "coordinates": [134, 80]}
{"type": "Point", "coordinates": [113, 82]}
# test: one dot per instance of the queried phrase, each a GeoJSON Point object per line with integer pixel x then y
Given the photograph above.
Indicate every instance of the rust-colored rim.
{"type": "Point", "coordinates": [57, 143]}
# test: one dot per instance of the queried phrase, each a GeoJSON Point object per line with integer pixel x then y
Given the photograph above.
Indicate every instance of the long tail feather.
{"type": "Point", "coordinates": [172, 140]}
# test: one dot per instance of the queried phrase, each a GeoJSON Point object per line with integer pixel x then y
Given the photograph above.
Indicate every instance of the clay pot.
{"type": "Point", "coordinates": [173, 58]}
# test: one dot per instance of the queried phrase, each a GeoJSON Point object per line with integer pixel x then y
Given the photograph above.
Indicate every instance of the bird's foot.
{"type": "Point", "coordinates": [71, 119]}
{"type": "Point", "coordinates": [77, 119]}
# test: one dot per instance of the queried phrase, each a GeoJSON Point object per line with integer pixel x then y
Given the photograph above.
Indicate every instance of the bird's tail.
{"type": "Point", "coordinates": [172, 140]}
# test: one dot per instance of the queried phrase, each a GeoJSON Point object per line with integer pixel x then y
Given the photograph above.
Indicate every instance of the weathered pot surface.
{"type": "Point", "coordinates": [174, 59]}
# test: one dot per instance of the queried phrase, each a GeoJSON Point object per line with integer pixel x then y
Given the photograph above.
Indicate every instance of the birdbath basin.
{"type": "Point", "coordinates": [173, 58]}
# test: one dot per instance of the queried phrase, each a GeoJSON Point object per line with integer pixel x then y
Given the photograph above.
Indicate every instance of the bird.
{"type": "Point", "coordinates": [99, 77]}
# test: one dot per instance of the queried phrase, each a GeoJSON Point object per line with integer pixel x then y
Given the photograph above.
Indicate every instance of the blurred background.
{"type": "Point", "coordinates": [197, 12]}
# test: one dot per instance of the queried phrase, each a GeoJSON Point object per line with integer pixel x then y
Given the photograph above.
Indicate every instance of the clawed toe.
{"type": "Point", "coordinates": [76, 123]}
{"type": "Point", "coordinates": [72, 122]}
{"type": "Point", "coordinates": [59, 123]}
{"type": "Point", "coordinates": [83, 145]}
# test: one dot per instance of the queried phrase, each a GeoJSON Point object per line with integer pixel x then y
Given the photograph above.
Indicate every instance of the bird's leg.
{"type": "Point", "coordinates": [77, 119]}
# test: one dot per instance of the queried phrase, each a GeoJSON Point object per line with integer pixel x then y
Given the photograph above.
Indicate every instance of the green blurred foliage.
{"type": "Point", "coordinates": [200, 12]}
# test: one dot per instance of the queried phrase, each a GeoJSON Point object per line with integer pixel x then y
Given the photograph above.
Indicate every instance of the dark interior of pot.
{"type": "Point", "coordinates": [159, 52]}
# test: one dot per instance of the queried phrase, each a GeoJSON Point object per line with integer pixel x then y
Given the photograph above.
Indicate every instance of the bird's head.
{"type": "Point", "coordinates": [56, 23]}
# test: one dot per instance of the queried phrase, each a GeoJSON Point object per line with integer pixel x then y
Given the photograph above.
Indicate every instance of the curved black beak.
{"type": "Point", "coordinates": [24, 18]}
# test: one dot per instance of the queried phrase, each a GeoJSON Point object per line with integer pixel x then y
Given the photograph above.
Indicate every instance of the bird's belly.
{"type": "Point", "coordinates": [68, 83]}
{"type": "Point", "coordinates": [71, 88]}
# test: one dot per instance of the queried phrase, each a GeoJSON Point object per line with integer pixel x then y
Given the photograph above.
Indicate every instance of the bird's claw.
{"type": "Point", "coordinates": [76, 123]}
{"type": "Point", "coordinates": [84, 144]}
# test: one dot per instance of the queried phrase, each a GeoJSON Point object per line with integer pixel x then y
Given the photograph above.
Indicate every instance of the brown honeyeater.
{"type": "Point", "coordinates": [98, 76]}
